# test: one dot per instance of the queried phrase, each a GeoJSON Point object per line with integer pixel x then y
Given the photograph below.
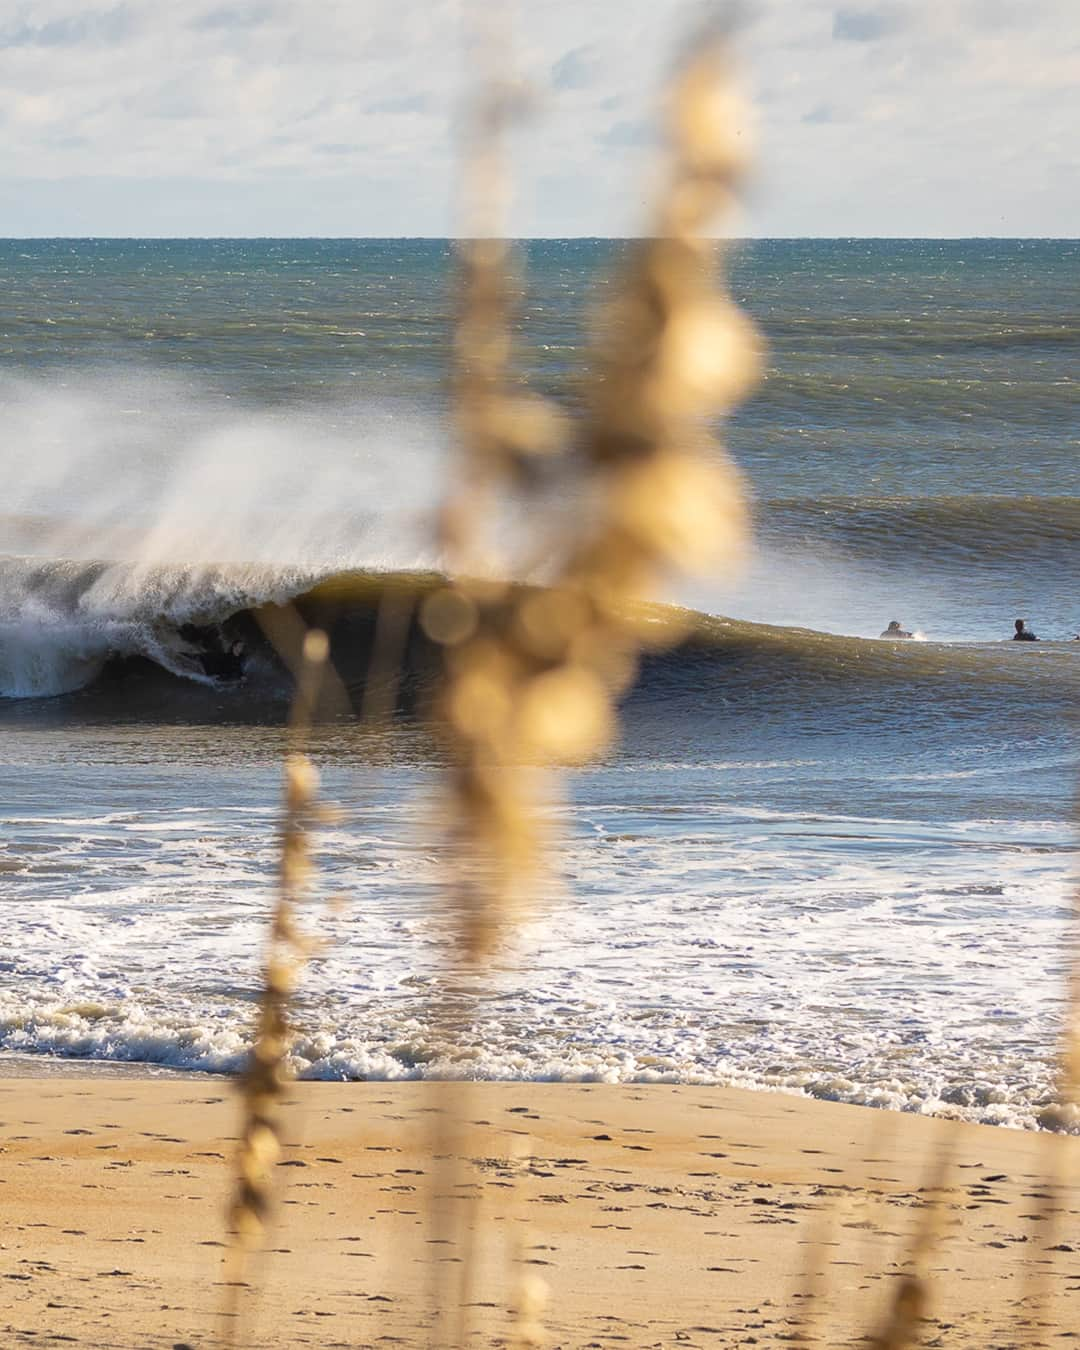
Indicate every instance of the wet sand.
{"type": "Point", "coordinates": [653, 1216]}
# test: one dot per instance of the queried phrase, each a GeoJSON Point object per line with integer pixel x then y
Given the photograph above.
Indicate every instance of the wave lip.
{"type": "Point", "coordinates": [62, 621]}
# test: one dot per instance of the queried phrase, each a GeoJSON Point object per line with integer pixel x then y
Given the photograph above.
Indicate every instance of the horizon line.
{"type": "Point", "coordinates": [531, 238]}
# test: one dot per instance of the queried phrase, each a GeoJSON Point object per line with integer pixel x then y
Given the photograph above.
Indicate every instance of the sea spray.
{"type": "Point", "coordinates": [145, 468]}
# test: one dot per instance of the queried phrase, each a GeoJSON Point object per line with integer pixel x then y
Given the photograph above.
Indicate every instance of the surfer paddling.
{"type": "Point", "coordinates": [895, 631]}
{"type": "Point", "coordinates": [1023, 632]}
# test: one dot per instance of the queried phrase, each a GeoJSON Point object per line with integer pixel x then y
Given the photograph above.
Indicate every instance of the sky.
{"type": "Point", "coordinates": [342, 117]}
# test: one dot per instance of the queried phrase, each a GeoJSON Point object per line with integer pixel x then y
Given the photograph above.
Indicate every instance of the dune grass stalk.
{"type": "Point", "coordinates": [264, 1080]}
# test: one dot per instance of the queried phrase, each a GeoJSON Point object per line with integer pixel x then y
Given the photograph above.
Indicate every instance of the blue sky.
{"type": "Point", "coordinates": [280, 117]}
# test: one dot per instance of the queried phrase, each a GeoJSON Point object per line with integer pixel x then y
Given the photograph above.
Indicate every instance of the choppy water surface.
{"type": "Point", "coordinates": [817, 860]}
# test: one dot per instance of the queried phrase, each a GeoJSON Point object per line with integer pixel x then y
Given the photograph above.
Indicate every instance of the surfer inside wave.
{"type": "Point", "coordinates": [210, 516]}
{"type": "Point", "coordinates": [90, 628]}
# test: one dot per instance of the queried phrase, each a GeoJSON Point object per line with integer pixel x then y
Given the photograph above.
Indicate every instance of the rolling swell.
{"type": "Point", "coordinates": [988, 530]}
{"type": "Point", "coordinates": [934, 332]}
{"type": "Point", "coordinates": [108, 636]}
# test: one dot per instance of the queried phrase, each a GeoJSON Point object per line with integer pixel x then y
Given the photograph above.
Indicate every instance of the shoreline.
{"type": "Point", "coordinates": [654, 1214]}
{"type": "Point", "coordinates": [15, 1065]}
{"type": "Point", "coordinates": [50, 1067]}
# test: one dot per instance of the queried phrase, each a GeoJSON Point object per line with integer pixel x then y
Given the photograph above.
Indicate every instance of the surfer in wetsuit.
{"type": "Point", "coordinates": [895, 631]}
{"type": "Point", "coordinates": [222, 662]}
{"type": "Point", "coordinates": [227, 665]}
{"type": "Point", "coordinates": [1023, 633]}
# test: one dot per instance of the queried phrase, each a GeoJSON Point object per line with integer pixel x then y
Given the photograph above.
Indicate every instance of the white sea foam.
{"type": "Point", "coordinates": [920, 970]}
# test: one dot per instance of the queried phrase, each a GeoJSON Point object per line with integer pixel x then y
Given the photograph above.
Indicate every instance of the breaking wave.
{"type": "Point", "coordinates": [66, 626]}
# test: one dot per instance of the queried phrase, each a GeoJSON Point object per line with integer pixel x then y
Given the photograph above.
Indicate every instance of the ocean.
{"type": "Point", "coordinates": [816, 861]}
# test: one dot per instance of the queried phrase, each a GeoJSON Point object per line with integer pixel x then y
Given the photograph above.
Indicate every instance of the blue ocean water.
{"type": "Point", "coordinates": [816, 861]}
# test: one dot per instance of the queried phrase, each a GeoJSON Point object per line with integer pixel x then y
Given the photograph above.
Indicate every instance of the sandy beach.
{"type": "Point", "coordinates": [654, 1216]}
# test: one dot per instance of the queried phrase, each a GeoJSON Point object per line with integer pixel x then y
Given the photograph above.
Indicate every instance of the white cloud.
{"type": "Point", "coordinates": [338, 116]}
